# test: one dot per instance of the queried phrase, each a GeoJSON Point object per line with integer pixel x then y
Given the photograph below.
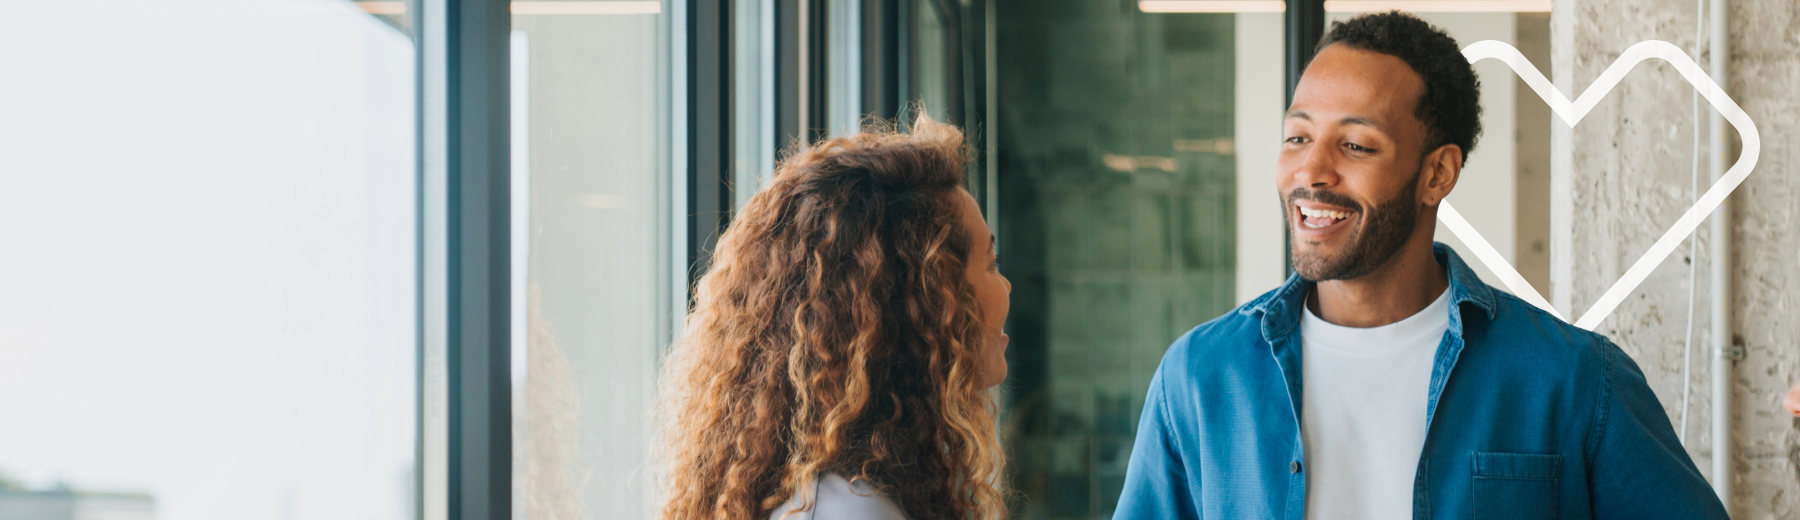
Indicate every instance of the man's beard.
{"type": "Point", "coordinates": [1385, 228]}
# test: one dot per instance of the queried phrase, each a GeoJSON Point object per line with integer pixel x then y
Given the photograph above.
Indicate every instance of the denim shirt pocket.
{"type": "Point", "coordinates": [1515, 486]}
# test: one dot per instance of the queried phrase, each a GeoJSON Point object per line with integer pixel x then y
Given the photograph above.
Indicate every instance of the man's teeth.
{"type": "Point", "coordinates": [1321, 213]}
{"type": "Point", "coordinates": [1318, 213]}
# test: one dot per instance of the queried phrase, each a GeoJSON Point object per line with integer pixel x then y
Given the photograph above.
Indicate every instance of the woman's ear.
{"type": "Point", "coordinates": [1438, 174]}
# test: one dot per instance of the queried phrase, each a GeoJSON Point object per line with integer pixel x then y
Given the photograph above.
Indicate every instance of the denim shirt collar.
{"type": "Point", "coordinates": [1280, 308]}
{"type": "Point", "coordinates": [1281, 316]}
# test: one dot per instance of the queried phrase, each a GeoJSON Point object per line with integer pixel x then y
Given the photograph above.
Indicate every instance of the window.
{"type": "Point", "coordinates": [209, 212]}
{"type": "Point", "coordinates": [595, 282]}
{"type": "Point", "coordinates": [1120, 153]}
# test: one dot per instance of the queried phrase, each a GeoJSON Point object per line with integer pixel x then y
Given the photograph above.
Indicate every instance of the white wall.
{"type": "Point", "coordinates": [1261, 224]}
{"type": "Point", "coordinates": [1487, 193]}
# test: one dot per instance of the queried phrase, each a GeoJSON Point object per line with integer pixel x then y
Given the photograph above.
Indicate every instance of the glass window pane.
{"type": "Point", "coordinates": [592, 178]}
{"type": "Point", "coordinates": [1120, 158]}
{"type": "Point", "coordinates": [930, 74]}
{"type": "Point", "coordinates": [209, 303]}
{"type": "Point", "coordinates": [753, 144]}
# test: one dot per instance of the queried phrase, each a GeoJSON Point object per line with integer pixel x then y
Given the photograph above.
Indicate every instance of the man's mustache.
{"type": "Point", "coordinates": [1323, 197]}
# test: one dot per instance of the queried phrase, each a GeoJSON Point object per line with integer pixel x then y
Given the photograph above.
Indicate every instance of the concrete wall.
{"type": "Point", "coordinates": [1531, 127]}
{"type": "Point", "coordinates": [1627, 172]}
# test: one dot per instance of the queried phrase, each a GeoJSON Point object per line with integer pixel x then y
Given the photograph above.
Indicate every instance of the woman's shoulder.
{"type": "Point", "coordinates": [837, 498]}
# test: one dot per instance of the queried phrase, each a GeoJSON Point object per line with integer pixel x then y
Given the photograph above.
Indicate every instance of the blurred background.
{"type": "Point", "coordinates": [240, 246]}
{"type": "Point", "coordinates": [207, 282]}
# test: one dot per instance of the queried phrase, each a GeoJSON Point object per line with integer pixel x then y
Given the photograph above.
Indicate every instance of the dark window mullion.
{"type": "Point", "coordinates": [881, 58]}
{"type": "Point", "coordinates": [478, 258]}
{"type": "Point", "coordinates": [799, 71]}
{"type": "Point", "coordinates": [709, 130]}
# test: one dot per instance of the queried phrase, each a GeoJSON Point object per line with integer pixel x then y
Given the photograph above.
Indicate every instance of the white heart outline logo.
{"type": "Point", "coordinates": [1572, 113]}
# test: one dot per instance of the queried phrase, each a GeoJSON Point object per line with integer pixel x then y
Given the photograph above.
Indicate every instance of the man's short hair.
{"type": "Point", "coordinates": [1451, 104]}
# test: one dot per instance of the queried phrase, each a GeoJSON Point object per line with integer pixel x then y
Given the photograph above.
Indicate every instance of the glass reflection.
{"type": "Point", "coordinates": [1117, 201]}
{"type": "Point", "coordinates": [594, 282]}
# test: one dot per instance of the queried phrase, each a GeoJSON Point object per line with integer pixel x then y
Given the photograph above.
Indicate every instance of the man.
{"type": "Point", "coordinates": [1385, 380]}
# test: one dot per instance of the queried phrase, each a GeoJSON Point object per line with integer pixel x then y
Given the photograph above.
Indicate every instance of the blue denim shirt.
{"type": "Point", "coordinates": [1526, 417]}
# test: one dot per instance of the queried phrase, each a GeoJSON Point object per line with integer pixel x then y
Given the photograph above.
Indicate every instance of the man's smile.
{"type": "Point", "coordinates": [1319, 220]}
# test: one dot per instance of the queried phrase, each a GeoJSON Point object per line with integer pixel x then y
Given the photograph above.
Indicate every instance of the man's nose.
{"type": "Point", "coordinates": [1318, 167]}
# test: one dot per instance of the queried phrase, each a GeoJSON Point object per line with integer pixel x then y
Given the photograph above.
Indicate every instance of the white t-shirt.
{"type": "Point", "coordinates": [1363, 412]}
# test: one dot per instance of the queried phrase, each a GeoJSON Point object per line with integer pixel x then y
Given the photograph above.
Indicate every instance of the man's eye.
{"type": "Point", "coordinates": [1296, 140]}
{"type": "Point", "coordinates": [1359, 148]}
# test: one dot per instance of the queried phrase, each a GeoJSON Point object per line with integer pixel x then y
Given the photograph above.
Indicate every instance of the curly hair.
{"type": "Point", "coordinates": [1451, 104]}
{"type": "Point", "coordinates": [836, 331]}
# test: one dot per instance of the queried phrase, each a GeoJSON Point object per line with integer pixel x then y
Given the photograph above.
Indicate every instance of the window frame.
{"type": "Point", "coordinates": [464, 242]}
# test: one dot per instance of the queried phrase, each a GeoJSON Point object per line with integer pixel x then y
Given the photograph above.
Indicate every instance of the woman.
{"type": "Point", "coordinates": [837, 361]}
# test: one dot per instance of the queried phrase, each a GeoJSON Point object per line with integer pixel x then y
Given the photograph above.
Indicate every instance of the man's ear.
{"type": "Point", "coordinates": [1438, 174]}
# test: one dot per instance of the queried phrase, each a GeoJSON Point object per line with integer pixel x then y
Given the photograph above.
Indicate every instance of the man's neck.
{"type": "Point", "coordinates": [1408, 283]}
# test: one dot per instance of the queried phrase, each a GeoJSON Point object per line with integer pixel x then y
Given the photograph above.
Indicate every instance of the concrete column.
{"type": "Point", "coordinates": [1629, 169]}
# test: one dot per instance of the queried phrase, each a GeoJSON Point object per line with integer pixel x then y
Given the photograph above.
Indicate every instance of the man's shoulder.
{"type": "Point", "coordinates": [1528, 334]}
{"type": "Point", "coordinates": [1234, 334]}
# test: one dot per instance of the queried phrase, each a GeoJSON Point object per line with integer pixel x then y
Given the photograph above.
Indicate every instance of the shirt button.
{"type": "Point", "coordinates": [1294, 467]}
